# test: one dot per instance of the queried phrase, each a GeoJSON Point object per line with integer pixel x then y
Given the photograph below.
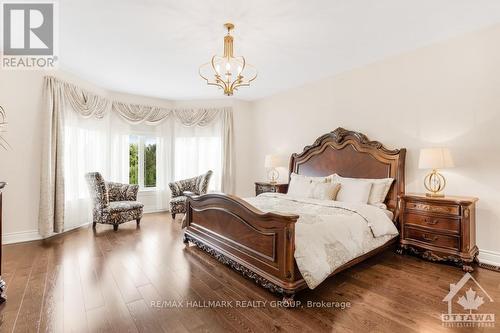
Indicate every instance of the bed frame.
{"type": "Point", "coordinates": [261, 245]}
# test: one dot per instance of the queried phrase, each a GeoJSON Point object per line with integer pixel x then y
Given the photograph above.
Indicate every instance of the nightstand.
{"type": "Point", "coordinates": [261, 187]}
{"type": "Point", "coordinates": [439, 229]}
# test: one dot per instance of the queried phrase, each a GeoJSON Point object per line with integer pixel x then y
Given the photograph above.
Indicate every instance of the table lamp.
{"type": "Point", "coordinates": [434, 159]}
{"type": "Point", "coordinates": [271, 162]}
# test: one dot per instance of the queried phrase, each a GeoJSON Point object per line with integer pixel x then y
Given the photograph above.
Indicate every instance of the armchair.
{"type": "Point", "coordinates": [197, 185]}
{"type": "Point", "coordinates": [114, 203]}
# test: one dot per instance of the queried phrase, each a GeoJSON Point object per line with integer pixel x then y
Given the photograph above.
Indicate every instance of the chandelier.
{"type": "Point", "coordinates": [228, 72]}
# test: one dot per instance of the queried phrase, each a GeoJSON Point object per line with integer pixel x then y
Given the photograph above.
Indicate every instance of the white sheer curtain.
{"type": "Point", "coordinates": [103, 145]}
{"type": "Point", "coordinates": [197, 150]}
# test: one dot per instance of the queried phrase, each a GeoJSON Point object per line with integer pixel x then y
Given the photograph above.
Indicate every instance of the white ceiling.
{"type": "Point", "coordinates": [154, 47]}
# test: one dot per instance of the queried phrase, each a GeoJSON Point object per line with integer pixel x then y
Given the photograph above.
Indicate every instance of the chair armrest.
{"type": "Point", "coordinates": [122, 192]}
{"type": "Point", "coordinates": [179, 187]}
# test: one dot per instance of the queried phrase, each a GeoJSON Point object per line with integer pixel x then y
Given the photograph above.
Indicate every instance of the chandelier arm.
{"type": "Point", "coordinates": [200, 74]}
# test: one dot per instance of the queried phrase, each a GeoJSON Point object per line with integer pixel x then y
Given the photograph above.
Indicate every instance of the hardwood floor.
{"type": "Point", "coordinates": [106, 281]}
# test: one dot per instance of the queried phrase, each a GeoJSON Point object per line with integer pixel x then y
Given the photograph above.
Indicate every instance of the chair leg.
{"type": "Point", "coordinates": [115, 227]}
{"type": "Point", "coordinates": [173, 216]}
{"type": "Point", "coordinates": [93, 225]}
{"type": "Point", "coordinates": [138, 222]}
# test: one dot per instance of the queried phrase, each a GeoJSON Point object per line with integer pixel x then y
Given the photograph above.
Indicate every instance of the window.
{"type": "Point", "coordinates": [142, 161]}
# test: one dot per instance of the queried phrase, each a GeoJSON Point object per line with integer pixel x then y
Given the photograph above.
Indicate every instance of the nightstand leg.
{"type": "Point", "coordinates": [185, 240]}
{"type": "Point", "coordinates": [400, 249]}
{"type": "Point", "coordinates": [467, 266]}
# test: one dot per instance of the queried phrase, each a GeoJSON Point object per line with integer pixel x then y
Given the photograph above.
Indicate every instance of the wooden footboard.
{"type": "Point", "coordinates": [258, 245]}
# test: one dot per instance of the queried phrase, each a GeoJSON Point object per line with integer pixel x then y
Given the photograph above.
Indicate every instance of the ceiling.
{"type": "Point", "coordinates": [154, 47]}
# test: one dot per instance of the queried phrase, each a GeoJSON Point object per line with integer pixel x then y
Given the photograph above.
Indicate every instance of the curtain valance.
{"type": "Point", "coordinates": [88, 105]}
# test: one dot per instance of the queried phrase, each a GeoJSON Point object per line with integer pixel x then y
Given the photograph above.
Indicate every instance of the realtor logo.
{"type": "Point", "coordinates": [470, 300]}
{"type": "Point", "coordinates": [28, 35]}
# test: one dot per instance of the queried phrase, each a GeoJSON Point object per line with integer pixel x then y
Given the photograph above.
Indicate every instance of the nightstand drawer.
{"type": "Point", "coordinates": [437, 223]}
{"type": "Point", "coordinates": [435, 239]}
{"type": "Point", "coordinates": [430, 208]}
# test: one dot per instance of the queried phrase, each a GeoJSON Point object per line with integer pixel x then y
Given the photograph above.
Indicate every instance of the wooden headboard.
{"type": "Point", "coordinates": [351, 154]}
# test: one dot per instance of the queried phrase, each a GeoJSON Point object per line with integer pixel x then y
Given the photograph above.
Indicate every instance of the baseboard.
{"type": "Point", "coordinates": [156, 211]}
{"type": "Point", "coordinates": [489, 259]}
{"type": "Point", "coordinates": [20, 236]}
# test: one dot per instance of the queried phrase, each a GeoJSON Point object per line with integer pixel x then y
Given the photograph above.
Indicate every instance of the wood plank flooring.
{"type": "Point", "coordinates": [106, 281]}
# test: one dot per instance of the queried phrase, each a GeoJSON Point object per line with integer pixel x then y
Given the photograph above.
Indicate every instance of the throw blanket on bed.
{"type": "Point", "coordinates": [328, 233]}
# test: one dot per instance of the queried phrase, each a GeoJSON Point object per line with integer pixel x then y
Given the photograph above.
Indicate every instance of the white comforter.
{"type": "Point", "coordinates": [329, 233]}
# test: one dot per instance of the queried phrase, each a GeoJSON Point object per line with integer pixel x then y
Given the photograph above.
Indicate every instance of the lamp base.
{"type": "Point", "coordinates": [272, 176]}
{"type": "Point", "coordinates": [434, 195]}
{"type": "Point", "coordinates": [434, 183]}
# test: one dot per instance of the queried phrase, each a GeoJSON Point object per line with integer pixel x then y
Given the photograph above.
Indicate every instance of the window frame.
{"type": "Point", "coordinates": [142, 137]}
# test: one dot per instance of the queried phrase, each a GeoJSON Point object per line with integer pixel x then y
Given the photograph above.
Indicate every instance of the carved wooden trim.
{"type": "Point", "coordinates": [434, 257]}
{"type": "Point", "coordinates": [341, 135]}
{"type": "Point", "coordinates": [248, 273]}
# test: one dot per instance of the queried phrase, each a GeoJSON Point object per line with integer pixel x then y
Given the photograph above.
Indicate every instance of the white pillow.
{"type": "Point", "coordinates": [378, 193]}
{"type": "Point", "coordinates": [299, 186]}
{"type": "Point", "coordinates": [355, 191]}
{"type": "Point", "coordinates": [325, 191]}
{"type": "Point", "coordinates": [313, 179]}
{"type": "Point", "coordinates": [303, 186]}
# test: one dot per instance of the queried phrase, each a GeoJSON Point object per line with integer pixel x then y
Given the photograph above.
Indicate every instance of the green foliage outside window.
{"type": "Point", "coordinates": [134, 164]}
{"type": "Point", "coordinates": [150, 165]}
{"type": "Point", "coordinates": [149, 162]}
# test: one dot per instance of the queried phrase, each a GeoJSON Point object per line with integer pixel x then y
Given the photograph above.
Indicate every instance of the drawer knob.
{"type": "Point", "coordinates": [432, 222]}
{"type": "Point", "coordinates": [428, 238]}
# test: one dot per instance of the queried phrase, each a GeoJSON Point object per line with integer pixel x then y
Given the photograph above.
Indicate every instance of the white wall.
{"type": "Point", "coordinates": [21, 97]}
{"type": "Point", "coordinates": [447, 94]}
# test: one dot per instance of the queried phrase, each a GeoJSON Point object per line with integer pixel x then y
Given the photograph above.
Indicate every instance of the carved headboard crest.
{"type": "Point", "coordinates": [352, 154]}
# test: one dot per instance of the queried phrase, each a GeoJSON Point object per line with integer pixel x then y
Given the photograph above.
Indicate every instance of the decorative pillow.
{"type": "Point", "coordinates": [379, 191]}
{"type": "Point", "coordinates": [325, 191]}
{"type": "Point", "coordinates": [302, 186]}
{"type": "Point", "coordinates": [354, 191]}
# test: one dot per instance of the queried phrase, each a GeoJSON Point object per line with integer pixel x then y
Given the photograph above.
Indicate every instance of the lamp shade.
{"type": "Point", "coordinates": [272, 161]}
{"type": "Point", "coordinates": [435, 158]}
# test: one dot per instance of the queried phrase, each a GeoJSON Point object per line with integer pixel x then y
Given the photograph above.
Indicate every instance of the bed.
{"type": "Point", "coordinates": [261, 244]}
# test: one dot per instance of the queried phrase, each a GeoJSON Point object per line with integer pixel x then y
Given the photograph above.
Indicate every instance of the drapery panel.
{"type": "Point", "coordinates": [87, 132]}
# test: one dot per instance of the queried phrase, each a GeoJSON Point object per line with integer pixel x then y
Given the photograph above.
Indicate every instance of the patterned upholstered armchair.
{"type": "Point", "coordinates": [114, 203]}
{"type": "Point", "coordinates": [197, 185]}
